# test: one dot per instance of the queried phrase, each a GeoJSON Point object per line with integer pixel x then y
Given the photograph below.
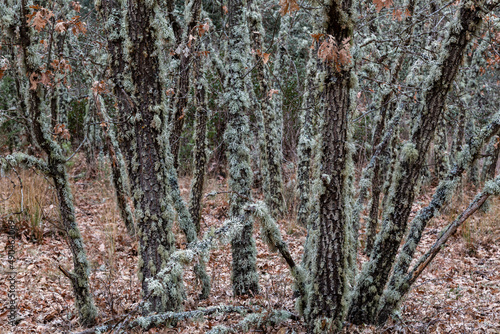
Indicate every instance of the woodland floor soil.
{"type": "Point", "coordinates": [458, 293]}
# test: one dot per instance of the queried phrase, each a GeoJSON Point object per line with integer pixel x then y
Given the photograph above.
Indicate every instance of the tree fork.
{"type": "Point", "coordinates": [376, 272]}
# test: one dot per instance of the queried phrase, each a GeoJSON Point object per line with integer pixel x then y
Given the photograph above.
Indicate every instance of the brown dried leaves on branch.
{"type": "Point", "coordinates": [379, 4]}
{"type": "Point", "coordinates": [330, 52]}
{"type": "Point", "coordinates": [61, 131]}
{"type": "Point", "coordinates": [39, 18]}
{"type": "Point", "coordinates": [288, 6]}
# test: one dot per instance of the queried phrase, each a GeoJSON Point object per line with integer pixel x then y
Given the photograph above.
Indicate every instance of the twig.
{"type": "Point", "coordinates": [166, 318]}
{"type": "Point", "coordinates": [214, 193]}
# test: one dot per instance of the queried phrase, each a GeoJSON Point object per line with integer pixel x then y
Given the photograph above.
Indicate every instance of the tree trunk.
{"type": "Point", "coordinates": [306, 143]}
{"type": "Point", "coordinates": [119, 175]}
{"type": "Point", "coordinates": [142, 135]}
{"type": "Point", "coordinates": [244, 273]}
{"type": "Point", "coordinates": [192, 12]}
{"type": "Point", "coordinates": [328, 274]}
{"type": "Point", "coordinates": [199, 153]}
{"type": "Point", "coordinates": [441, 151]}
{"type": "Point", "coordinates": [56, 169]}
{"type": "Point", "coordinates": [396, 288]}
{"type": "Point", "coordinates": [269, 105]}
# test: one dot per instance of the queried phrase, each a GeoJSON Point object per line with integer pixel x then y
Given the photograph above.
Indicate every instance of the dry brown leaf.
{"type": "Point", "coordinates": [288, 6]}
{"type": "Point", "coordinates": [379, 4]}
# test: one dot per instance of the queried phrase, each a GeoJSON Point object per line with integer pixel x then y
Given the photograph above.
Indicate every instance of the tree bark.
{"type": "Point", "coordinates": [244, 273]}
{"type": "Point", "coordinates": [328, 274]}
{"type": "Point", "coordinates": [393, 294]}
{"type": "Point", "coordinates": [270, 109]}
{"type": "Point", "coordinates": [135, 66]}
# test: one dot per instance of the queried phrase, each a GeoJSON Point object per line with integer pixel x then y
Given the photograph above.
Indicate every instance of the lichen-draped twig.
{"type": "Point", "coordinates": [443, 193]}
{"type": "Point", "coordinates": [492, 188]}
{"type": "Point", "coordinates": [429, 256]}
{"type": "Point", "coordinates": [214, 193]}
{"type": "Point", "coordinates": [268, 318]}
{"type": "Point", "coordinates": [165, 318]}
{"type": "Point", "coordinates": [272, 237]}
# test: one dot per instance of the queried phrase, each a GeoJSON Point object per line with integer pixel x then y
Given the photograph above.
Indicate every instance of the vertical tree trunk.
{"type": "Point", "coordinates": [327, 286]}
{"type": "Point", "coordinates": [441, 151]}
{"type": "Point", "coordinates": [458, 135]}
{"type": "Point", "coordinates": [79, 277]}
{"type": "Point", "coordinates": [192, 14]}
{"type": "Point", "coordinates": [118, 168]}
{"type": "Point", "coordinates": [244, 273]}
{"type": "Point", "coordinates": [269, 105]}
{"type": "Point", "coordinates": [199, 153]}
{"type": "Point", "coordinates": [473, 173]}
{"type": "Point", "coordinates": [142, 134]}
{"type": "Point", "coordinates": [306, 143]}
{"type": "Point", "coordinates": [490, 166]}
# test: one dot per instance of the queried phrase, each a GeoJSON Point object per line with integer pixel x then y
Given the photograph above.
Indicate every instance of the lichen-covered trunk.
{"type": "Point", "coordinates": [492, 187]}
{"type": "Point", "coordinates": [473, 173]}
{"type": "Point", "coordinates": [199, 155]}
{"type": "Point", "coordinates": [375, 171]}
{"type": "Point", "coordinates": [199, 162]}
{"type": "Point", "coordinates": [375, 273]}
{"type": "Point", "coordinates": [42, 131]}
{"type": "Point", "coordinates": [458, 135]}
{"type": "Point", "coordinates": [490, 166]}
{"type": "Point", "coordinates": [143, 131]}
{"type": "Point", "coordinates": [192, 14]}
{"type": "Point", "coordinates": [244, 273]}
{"type": "Point", "coordinates": [93, 146]}
{"type": "Point", "coordinates": [306, 143]}
{"type": "Point", "coordinates": [441, 162]}
{"type": "Point", "coordinates": [328, 274]}
{"type": "Point", "coordinates": [397, 286]}
{"type": "Point", "coordinates": [490, 163]}
{"type": "Point", "coordinates": [79, 276]}
{"type": "Point", "coordinates": [269, 105]}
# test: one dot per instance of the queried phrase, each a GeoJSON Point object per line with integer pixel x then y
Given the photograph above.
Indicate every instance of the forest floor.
{"type": "Point", "coordinates": [458, 293]}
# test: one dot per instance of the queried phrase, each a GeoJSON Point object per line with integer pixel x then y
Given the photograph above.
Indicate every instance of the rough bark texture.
{"type": "Point", "coordinates": [458, 135]}
{"type": "Point", "coordinates": [143, 141]}
{"type": "Point", "coordinates": [386, 105]}
{"type": "Point", "coordinates": [441, 163]}
{"type": "Point", "coordinates": [306, 143]}
{"type": "Point", "coordinates": [244, 273]}
{"type": "Point", "coordinates": [375, 273]}
{"type": "Point", "coordinates": [328, 277]}
{"type": "Point", "coordinates": [491, 188]}
{"type": "Point", "coordinates": [490, 165]}
{"type": "Point", "coordinates": [199, 157]}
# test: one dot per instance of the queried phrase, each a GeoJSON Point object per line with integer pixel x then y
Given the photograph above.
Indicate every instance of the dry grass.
{"type": "Point", "coordinates": [31, 194]}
